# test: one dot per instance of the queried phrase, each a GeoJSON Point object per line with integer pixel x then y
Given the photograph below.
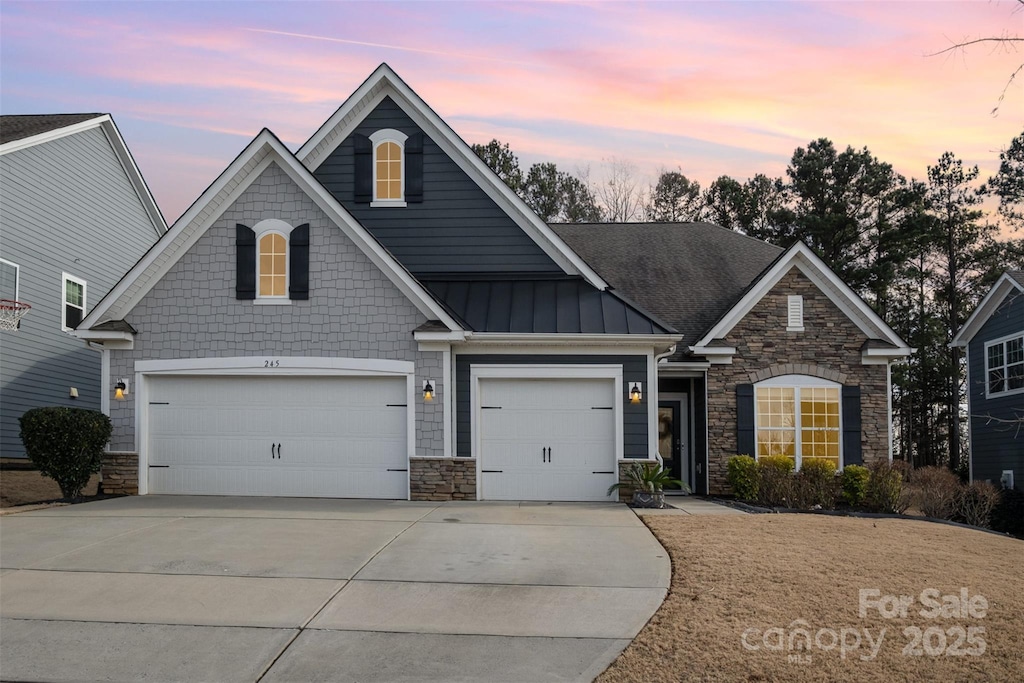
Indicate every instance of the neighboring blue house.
{"type": "Point", "coordinates": [378, 315]}
{"type": "Point", "coordinates": [994, 339]}
{"type": "Point", "coordinates": [75, 215]}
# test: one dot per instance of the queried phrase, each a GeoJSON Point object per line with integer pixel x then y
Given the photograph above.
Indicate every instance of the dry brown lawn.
{"type": "Point", "coordinates": [22, 487]}
{"type": "Point", "coordinates": [731, 574]}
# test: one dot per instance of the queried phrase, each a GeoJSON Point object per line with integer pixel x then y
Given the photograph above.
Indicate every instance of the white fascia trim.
{"type": "Point", "coordinates": [888, 354]}
{"type": "Point", "coordinates": [1003, 286]}
{"type": "Point", "coordinates": [668, 367]}
{"type": "Point", "coordinates": [385, 82]}
{"type": "Point", "coordinates": [276, 365]}
{"type": "Point", "coordinates": [803, 257]}
{"type": "Point", "coordinates": [275, 153]}
{"type": "Point", "coordinates": [639, 340]}
{"type": "Point", "coordinates": [450, 336]}
{"type": "Point", "coordinates": [103, 335]}
{"type": "Point", "coordinates": [124, 156]}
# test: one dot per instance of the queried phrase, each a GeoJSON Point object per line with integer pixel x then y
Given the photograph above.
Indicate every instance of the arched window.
{"type": "Point", "coordinates": [272, 265]}
{"type": "Point", "coordinates": [799, 416]}
{"type": "Point", "coordinates": [388, 167]}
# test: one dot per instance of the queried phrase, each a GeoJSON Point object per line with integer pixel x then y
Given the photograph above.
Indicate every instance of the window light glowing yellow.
{"type": "Point", "coordinates": [273, 264]}
{"type": "Point", "coordinates": [389, 171]}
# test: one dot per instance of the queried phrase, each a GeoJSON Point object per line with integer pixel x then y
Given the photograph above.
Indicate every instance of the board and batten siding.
{"type": "Point", "coordinates": [456, 228]}
{"type": "Point", "coordinates": [66, 206]}
{"type": "Point", "coordinates": [634, 417]}
{"type": "Point", "coordinates": [994, 447]}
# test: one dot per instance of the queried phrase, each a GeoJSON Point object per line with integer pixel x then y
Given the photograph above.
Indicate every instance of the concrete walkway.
{"type": "Point", "coordinates": [177, 588]}
{"type": "Point", "coordinates": [689, 505]}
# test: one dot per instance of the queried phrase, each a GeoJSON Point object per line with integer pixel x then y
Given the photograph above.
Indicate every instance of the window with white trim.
{"type": "Point", "coordinates": [10, 280]}
{"type": "Point", "coordinates": [798, 416]}
{"type": "Point", "coordinates": [388, 167]}
{"type": "Point", "coordinates": [73, 308]}
{"type": "Point", "coordinates": [1004, 366]}
{"type": "Point", "coordinates": [272, 265]}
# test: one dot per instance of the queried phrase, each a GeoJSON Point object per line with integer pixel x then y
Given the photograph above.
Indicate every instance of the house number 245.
{"type": "Point", "coordinates": [271, 363]}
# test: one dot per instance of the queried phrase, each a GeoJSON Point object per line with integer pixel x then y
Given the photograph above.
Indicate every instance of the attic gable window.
{"type": "Point", "coordinates": [272, 262]}
{"type": "Point", "coordinates": [388, 167]}
{"type": "Point", "coordinates": [272, 265]}
{"type": "Point", "coordinates": [1004, 366]}
{"type": "Point", "coordinates": [795, 313]}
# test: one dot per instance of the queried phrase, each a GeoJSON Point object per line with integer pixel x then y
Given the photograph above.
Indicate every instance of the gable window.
{"type": "Point", "coordinates": [73, 309]}
{"type": "Point", "coordinates": [799, 417]}
{"type": "Point", "coordinates": [1004, 366]}
{"type": "Point", "coordinates": [272, 262]}
{"type": "Point", "coordinates": [388, 167]}
{"type": "Point", "coordinates": [273, 265]}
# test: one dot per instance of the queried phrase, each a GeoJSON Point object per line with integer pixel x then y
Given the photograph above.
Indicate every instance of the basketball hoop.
{"type": "Point", "coordinates": [11, 313]}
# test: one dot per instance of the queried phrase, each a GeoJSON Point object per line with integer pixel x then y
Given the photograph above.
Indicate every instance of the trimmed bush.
{"type": "Point", "coordinates": [742, 475]}
{"type": "Point", "coordinates": [1008, 517]}
{"type": "Point", "coordinates": [815, 485]}
{"type": "Point", "coordinates": [885, 490]}
{"type": "Point", "coordinates": [854, 483]}
{"type": "Point", "coordinates": [65, 444]}
{"type": "Point", "coordinates": [934, 491]}
{"type": "Point", "coordinates": [975, 503]}
{"type": "Point", "coordinates": [775, 489]}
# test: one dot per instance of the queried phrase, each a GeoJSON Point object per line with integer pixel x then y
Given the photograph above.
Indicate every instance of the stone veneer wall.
{"type": "Point", "coordinates": [120, 472]}
{"type": "Point", "coordinates": [442, 478]}
{"type": "Point", "coordinates": [829, 347]}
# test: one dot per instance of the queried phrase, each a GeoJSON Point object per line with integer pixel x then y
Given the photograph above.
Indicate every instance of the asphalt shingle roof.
{"type": "Point", "coordinates": [17, 126]}
{"type": "Point", "coordinates": [687, 274]}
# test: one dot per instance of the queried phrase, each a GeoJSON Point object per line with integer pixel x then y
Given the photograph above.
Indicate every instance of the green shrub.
{"type": "Point", "coordinates": [934, 491]}
{"type": "Point", "coordinates": [776, 483]}
{"type": "Point", "coordinates": [854, 482]}
{"type": "Point", "coordinates": [65, 444]}
{"type": "Point", "coordinates": [742, 475]}
{"type": "Point", "coordinates": [1008, 517]}
{"type": "Point", "coordinates": [815, 485]}
{"type": "Point", "coordinates": [975, 503]}
{"type": "Point", "coordinates": [885, 490]}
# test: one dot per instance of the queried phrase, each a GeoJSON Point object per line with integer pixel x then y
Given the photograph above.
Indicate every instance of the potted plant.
{"type": "Point", "coordinates": [648, 482]}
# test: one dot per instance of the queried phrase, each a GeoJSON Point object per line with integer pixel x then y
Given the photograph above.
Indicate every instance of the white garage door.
{"type": "Point", "coordinates": [341, 437]}
{"type": "Point", "coordinates": [551, 439]}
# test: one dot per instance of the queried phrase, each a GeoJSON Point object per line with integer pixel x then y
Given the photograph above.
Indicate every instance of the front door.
{"type": "Point", "coordinates": [672, 433]}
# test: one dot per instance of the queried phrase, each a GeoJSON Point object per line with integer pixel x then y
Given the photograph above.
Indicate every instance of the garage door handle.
{"type": "Point", "coordinates": [396, 470]}
{"type": "Point", "coordinates": [608, 472]}
{"type": "Point", "coordinates": [492, 471]}
{"type": "Point", "coordinates": [271, 451]}
{"type": "Point", "coordinates": [549, 453]}
{"type": "Point", "coordinates": [278, 451]}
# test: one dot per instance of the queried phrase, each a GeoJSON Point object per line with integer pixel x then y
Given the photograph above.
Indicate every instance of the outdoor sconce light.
{"type": "Point", "coordinates": [73, 392]}
{"type": "Point", "coordinates": [635, 392]}
{"type": "Point", "coordinates": [428, 390]}
{"type": "Point", "coordinates": [120, 389]}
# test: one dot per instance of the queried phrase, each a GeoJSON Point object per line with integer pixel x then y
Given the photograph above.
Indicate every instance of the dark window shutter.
{"type": "Point", "coordinates": [363, 169]}
{"type": "Point", "coordinates": [851, 427]}
{"type": "Point", "coordinates": [414, 168]}
{"type": "Point", "coordinates": [745, 420]}
{"type": "Point", "coordinates": [245, 262]}
{"type": "Point", "coordinates": [298, 263]}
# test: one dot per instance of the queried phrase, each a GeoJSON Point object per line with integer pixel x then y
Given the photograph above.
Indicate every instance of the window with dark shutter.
{"type": "Point", "coordinates": [245, 262]}
{"type": "Point", "coordinates": [298, 265]}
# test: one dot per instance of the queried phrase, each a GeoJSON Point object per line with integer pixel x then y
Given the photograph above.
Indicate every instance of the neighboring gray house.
{"type": "Point", "coordinates": [993, 337]}
{"type": "Point", "coordinates": [378, 315]}
{"type": "Point", "coordinates": [75, 215]}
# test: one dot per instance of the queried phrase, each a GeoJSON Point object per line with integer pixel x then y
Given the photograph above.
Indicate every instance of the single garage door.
{"type": "Point", "coordinates": [547, 439]}
{"type": "Point", "coordinates": [342, 437]}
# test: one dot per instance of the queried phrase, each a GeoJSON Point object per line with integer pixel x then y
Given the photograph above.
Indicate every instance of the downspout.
{"type": "Point", "coordinates": [654, 396]}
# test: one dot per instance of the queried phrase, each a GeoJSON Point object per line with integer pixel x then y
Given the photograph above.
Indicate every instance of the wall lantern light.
{"type": "Point", "coordinates": [120, 389]}
{"type": "Point", "coordinates": [635, 392]}
{"type": "Point", "coordinates": [428, 390]}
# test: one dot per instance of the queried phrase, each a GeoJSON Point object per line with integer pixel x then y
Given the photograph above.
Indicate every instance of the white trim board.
{"type": "Point", "coordinates": [384, 82]}
{"type": "Point", "coordinates": [802, 257]}
{"type": "Point", "coordinates": [264, 150]}
{"type": "Point", "coordinates": [105, 122]}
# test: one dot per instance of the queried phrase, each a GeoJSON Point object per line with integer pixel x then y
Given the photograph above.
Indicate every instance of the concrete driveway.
{"type": "Point", "coordinates": [172, 588]}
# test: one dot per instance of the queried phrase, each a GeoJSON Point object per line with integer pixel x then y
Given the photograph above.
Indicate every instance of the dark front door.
{"type": "Point", "coordinates": [670, 439]}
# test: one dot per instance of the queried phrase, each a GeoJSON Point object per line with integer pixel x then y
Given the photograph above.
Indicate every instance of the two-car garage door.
{"type": "Point", "coordinates": [278, 436]}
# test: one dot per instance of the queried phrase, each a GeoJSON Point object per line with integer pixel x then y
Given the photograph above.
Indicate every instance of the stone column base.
{"type": "Point", "coordinates": [120, 473]}
{"type": "Point", "coordinates": [440, 479]}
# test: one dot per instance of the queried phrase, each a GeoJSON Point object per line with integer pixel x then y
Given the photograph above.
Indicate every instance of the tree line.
{"type": "Point", "coordinates": [922, 252]}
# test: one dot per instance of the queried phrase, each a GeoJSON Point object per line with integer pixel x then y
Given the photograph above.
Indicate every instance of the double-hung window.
{"type": "Point", "coordinates": [73, 308]}
{"type": "Point", "coordinates": [1004, 366]}
{"type": "Point", "coordinates": [799, 417]}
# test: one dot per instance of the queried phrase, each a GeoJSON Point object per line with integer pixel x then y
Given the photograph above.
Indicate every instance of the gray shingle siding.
{"type": "Point", "coordinates": [354, 310]}
{"type": "Point", "coordinates": [634, 417]}
{"type": "Point", "coordinates": [456, 228]}
{"type": "Point", "coordinates": [65, 206]}
{"type": "Point", "coordinates": [995, 446]}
